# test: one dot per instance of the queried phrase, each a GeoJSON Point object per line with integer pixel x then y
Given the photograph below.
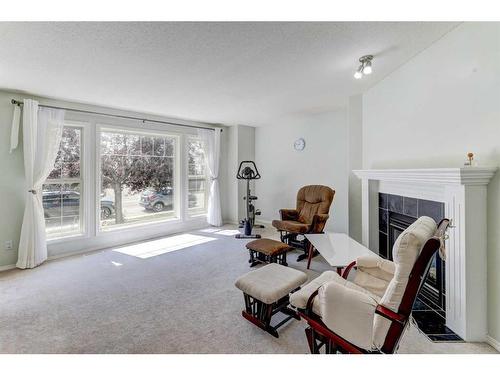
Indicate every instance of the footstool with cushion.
{"type": "Point", "coordinates": [266, 292]}
{"type": "Point", "coordinates": [266, 250]}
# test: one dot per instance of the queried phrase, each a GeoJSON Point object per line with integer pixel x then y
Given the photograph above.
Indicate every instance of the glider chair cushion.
{"type": "Point", "coordinates": [299, 298]}
{"type": "Point", "coordinates": [405, 252]}
{"type": "Point", "coordinates": [374, 274]}
{"type": "Point", "coordinates": [291, 226]}
{"type": "Point", "coordinates": [348, 312]}
{"type": "Point", "coordinates": [311, 214]}
{"type": "Point", "coordinates": [313, 200]}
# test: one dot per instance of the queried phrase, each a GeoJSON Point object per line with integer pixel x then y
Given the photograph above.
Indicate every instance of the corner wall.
{"type": "Point", "coordinates": [241, 146]}
{"type": "Point", "coordinates": [323, 161]}
{"type": "Point", "coordinates": [437, 107]}
{"type": "Point", "coordinates": [355, 115]}
{"type": "Point", "coordinates": [11, 185]}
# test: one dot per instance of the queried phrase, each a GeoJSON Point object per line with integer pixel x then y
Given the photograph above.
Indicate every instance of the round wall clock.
{"type": "Point", "coordinates": [299, 144]}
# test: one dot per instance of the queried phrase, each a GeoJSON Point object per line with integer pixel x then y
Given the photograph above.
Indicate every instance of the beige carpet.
{"type": "Point", "coordinates": [152, 301]}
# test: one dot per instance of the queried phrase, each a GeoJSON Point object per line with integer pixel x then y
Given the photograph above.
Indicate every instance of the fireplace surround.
{"type": "Point", "coordinates": [396, 213]}
{"type": "Point", "coordinates": [463, 192]}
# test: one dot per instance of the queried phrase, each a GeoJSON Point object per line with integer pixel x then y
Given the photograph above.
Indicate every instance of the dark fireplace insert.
{"type": "Point", "coordinates": [433, 291]}
{"type": "Point", "coordinates": [396, 213]}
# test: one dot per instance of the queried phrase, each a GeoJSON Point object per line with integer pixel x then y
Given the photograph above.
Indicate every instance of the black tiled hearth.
{"type": "Point", "coordinates": [432, 324]}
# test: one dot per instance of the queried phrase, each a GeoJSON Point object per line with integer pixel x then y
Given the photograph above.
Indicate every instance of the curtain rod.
{"type": "Point", "coordinates": [17, 102]}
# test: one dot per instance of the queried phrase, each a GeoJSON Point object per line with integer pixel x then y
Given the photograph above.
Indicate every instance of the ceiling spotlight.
{"type": "Point", "coordinates": [359, 73]}
{"type": "Point", "coordinates": [365, 68]}
{"type": "Point", "coordinates": [368, 68]}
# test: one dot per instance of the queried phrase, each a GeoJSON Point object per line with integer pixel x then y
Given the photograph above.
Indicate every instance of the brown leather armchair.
{"type": "Point", "coordinates": [310, 216]}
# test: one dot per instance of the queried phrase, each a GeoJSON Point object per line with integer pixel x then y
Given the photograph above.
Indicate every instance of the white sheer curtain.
{"type": "Point", "coordinates": [211, 142]}
{"type": "Point", "coordinates": [42, 131]}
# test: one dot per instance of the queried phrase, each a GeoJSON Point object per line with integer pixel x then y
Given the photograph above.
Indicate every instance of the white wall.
{"type": "Point", "coordinates": [433, 110]}
{"type": "Point", "coordinates": [323, 161]}
{"type": "Point", "coordinates": [246, 151]}
{"type": "Point", "coordinates": [241, 146]}
{"type": "Point", "coordinates": [355, 116]}
{"type": "Point", "coordinates": [11, 186]}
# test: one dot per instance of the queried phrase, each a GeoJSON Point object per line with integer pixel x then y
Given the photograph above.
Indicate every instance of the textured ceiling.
{"type": "Point", "coordinates": [232, 73]}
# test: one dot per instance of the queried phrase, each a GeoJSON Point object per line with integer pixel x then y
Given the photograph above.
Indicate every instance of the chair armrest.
{"type": "Point", "coordinates": [376, 262]}
{"type": "Point", "coordinates": [318, 223]}
{"type": "Point", "coordinates": [289, 214]}
{"type": "Point", "coordinates": [348, 269]}
{"type": "Point", "coordinates": [391, 315]}
{"type": "Point", "coordinates": [348, 312]}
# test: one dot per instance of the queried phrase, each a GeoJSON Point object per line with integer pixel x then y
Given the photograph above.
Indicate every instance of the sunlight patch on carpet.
{"type": "Point", "coordinates": [153, 248]}
{"type": "Point", "coordinates": [228, 232]}
{"type": "Point", "coordinates": [223, 232]}
{"type": "Point", "coordinates": [210, 230]}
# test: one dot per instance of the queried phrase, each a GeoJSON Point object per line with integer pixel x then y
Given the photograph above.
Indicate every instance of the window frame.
{"type": "Point", "coordinates": [82, 180]}
{"type": "Point", "coordinates": [146, 131]}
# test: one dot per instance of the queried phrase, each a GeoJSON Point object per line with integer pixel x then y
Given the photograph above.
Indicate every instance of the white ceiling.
{"type": "Point", "coordinates": [232, 73]}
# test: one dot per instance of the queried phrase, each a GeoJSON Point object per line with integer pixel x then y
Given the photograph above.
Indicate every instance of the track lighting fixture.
{"type": "Point", "coordinates": [365, 68]}
{"type": "Point", "coordinates": [359, 73]}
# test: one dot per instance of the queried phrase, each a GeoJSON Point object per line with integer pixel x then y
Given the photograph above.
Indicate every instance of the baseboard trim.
{"type": "Point", "coordinates": [494, 343]}
{"type": "Point", "coordinates": [230, 222]}
{"type": "Point", "coordinates": [7, 267]}
{"type": "Point", "coordinates": [268, 222]}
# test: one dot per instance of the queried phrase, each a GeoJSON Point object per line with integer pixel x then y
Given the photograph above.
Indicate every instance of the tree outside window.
{"type": "Point", "coordinates": [138, 172]}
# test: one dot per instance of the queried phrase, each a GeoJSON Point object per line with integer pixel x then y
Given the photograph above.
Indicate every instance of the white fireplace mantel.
{"type": "Point", "coordinates": [464, 193]}
{"type": "Point", "coordinates": [460, 176]}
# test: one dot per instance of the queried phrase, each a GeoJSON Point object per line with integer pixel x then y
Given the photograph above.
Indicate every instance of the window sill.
{"type": "Point", "coordinates": [195, 216]}
{"type": "Point", "coordinates": [139, 226]}
{"type": "Point", "coordinates": [67, 238]}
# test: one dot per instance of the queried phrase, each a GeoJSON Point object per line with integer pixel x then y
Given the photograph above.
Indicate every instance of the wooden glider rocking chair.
{"type": "Point", "coordinates": [310, 216]}
{"type": "Point", "coordinates": [370, 314]}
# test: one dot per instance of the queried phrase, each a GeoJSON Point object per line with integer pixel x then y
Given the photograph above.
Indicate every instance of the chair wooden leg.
{"type": "Point", "coordinates": [315, 347]}
{"type": "Point", "coordinates": [283, 259]}
{"type": "Point", "coordinates": [309, 336]}
{"type": "Point", "coordinates": [310, 255]}
{"type": "Point", "coordinates": [260, 313]}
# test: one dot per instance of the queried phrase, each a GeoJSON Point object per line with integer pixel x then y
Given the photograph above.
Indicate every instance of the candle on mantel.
{"type": "Point", "coordinates": [470, 160]}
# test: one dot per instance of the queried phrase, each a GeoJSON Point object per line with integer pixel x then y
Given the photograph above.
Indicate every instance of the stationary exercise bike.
{"type": "Point", "coordinates": [248, 171]}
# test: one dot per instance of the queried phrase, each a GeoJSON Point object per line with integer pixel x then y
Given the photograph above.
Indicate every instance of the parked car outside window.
{"type": "Point", "coordinates": [159, 200]}
{"type": "Point", "coordinates": [53, 201]}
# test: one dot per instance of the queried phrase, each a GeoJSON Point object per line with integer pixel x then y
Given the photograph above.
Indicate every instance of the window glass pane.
{"type": "Point", "coordinates": [70, 145]}
{"type": "Point", "coordinates": [169, 147]}
{"type": "Point", "coordinates": [197, 180]}
{"type": "Point", "coordinates": [70, 170]}
{"type": "Point", "coordinates": [61, 197]}
{"type": "Point", "coordinates": [61, 204]}
{"type": "Point", "coordinates": [119, 145]}
{"type": "Point", "coordinates": [159, 146]}
{"type": "Point", "coordinates": [138, 186]}
{"type": "Point", "coordinates": [147, 145]}
{"type": "Point", "coordinates": [133, 144]}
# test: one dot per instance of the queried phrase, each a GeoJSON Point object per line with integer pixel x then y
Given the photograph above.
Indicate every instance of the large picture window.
{"type": "Point", "coordinates": [62, 191]}
{"type": "Point", "coordinates": [197, 178]}
{"type": "Point", "coordinates": [137, 173]}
